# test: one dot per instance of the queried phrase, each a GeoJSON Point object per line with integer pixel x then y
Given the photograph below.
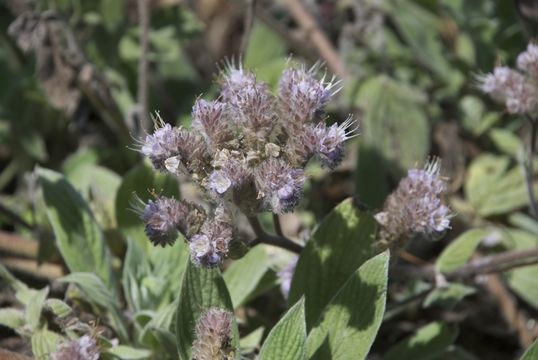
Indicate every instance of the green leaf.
{"type": "Point", "coordinates": [58, 307]}
{"type": "Point", "coordinates": [287, 340]}
{"type": "Point", "coordinates": [493, 188]}
{"type": "Point", "coordinates": [523, 281]}
{"type": "Point", "coordinates": [128, 353]}
{"type": "Point", "coordinates": [140, 181]}
{"type": "Point", "coordinates": [98, 294]}
{"type": "Point", "coordinates": [44, 342]}
{"type": "Point", "coordinates": [243, 275]}
{"type": "Point", "coordinates": [78, 236]}
{"type": "Point", "coordinates": [264, 45]}
{"type": "Point", "coordinates": [506, 141]}
{"type": "Point", "coordinates": [427, 342]}
{"type": "Point", "coordinates": [343, 241]}
{"type": "Point", "coordinates": [99, 190]}
{"type": "Point", "coordinates": [531, 353]}
{"type": "Point", "coordinates": [12, 318]}
{"type": "Point", "coordinates": [448, 296]}
{"type": "Point", "coordinates": [396, 133]}
{"type": "Point", "coordinates": [35, 307]}
{"type": "Point", "coordinates": [460, 250]}
{"type": "Point", "coordinates": [250, 342]}
{"type": "Point", "coordinates": [349, 324]}
{"type": "Point", "coordinates": [201, 290]}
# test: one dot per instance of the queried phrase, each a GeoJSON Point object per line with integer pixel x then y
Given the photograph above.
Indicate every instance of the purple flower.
{"type": "Point", "coordinates": [161, 145]}
{"type": "Point", "coordinates": [209, 247]}
{"type": "Point", "coordinates": [527, 61]}
{"type": "Point", "coordinates": [519, 94]}
{"type": "Point", "coordinates": [85, 348]}
{"type": "Point", "coordinates": [331, 141]}
{"type": "Point", "coordinates": [209, 118]}
{"type": "Point", "coordinates": [280, 185]}
{"type": "Point", "coordinates": [302, 96]}
{"type": "Point", "coordinates": [166, 217]}
{"type": "Point", "coordinates": [415, 207]}
{"type": "Point", "coordinates": [214, 336]}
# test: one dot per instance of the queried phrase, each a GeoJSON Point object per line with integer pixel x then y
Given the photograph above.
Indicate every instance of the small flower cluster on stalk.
{"type": "Point", "coordinates": [415, 208]}
{"type": "Point", "coordinates": [247, 151]}
{"type": "Point", "coordinates": [85, 348]}
{"type": "Point", "coordinates": [214, 336]}
{"type": "Point", "coordinates": [517, 88]}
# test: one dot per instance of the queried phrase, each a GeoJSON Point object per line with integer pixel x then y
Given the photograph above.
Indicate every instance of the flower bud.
{"type": "Point", "coordinates": [214, 336]}
{"type": "Point", "coordinates": [210, 246]}
{"type": "Point", "coordinates": [165, 217]}
{"type": "Point", "coordinates": [302, 96]}
{"type": "Point", "coordinates": [280, 186]}
{"type": "Point", "coordinates": [510, 87]}
{"type": "Point", "coordinates": [331, 141]}
{"type": "Point", "coordinates": [161, 145]}
{"type": "Point", "coordinates": [527, 61]}
{"type": "Point", "coordinates": [85, 348]}
{"type": "Point", "coordinates": [209, 118]}
{"type": "Point", "coordinates": [415, 207]}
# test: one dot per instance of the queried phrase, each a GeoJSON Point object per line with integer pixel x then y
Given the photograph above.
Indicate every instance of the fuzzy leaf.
{"type": "Point", "coordinates": [493, 187]}
{"type": "Point", "coordinates": [35, 307]}
{"type": "Point", "coordinates": [99, 295]}
{"type": "Point", "coordinates": [448, 296]}
{"type": "Point", "coordinates": [78, 236]}
{"type": "Point", "coordinates": [128, 353]}
{"type": "Point", "coordinates": [287, 340]}
{"type": "Point", "coordinates": [201, 290]}
{"type": "Point", "coordinates": [58, 307]}
{"type": "Point", "coordinates": [343, 241]}
{"type": "Point", "coordinates": [427, 342]}
{"type": "Point", "coordinates": [12, 318]}
{"type": "Point", "coordinates": [460, 250]}
{"type": "Point", "coordinates": [523, 281]}
{"type": "Point", "coordinates": [44, 343]}
{"type": "Point", "coordinates": [349, 324]}
{"type": "Point", "coordinates": [243, 275]}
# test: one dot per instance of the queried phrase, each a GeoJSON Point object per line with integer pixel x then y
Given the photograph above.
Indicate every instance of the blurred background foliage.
{"type": "Point", "coordinates": [69, 102]}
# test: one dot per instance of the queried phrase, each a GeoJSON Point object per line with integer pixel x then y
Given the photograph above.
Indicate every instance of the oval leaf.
{"type": "Point", "coordinates": [77, 234]}
{"type": "Point", "coordinates": [460, 250]}
{"type": "Point", "coordinates": [343, 242]}
{"type": "Point", "coordinates": [428, 341]}
{"type": "Point", "coordinates": [287, 340]}
{"type": "Point", "coordinates": [349, 324]}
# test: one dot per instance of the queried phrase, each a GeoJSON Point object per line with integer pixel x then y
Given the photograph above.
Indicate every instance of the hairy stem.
{"type": "Point", "coordinates": [144, 18]}
{"type": "Point", "coordinates": [278, 226]}
{"type": "Point", "coordinates": [270, 239]}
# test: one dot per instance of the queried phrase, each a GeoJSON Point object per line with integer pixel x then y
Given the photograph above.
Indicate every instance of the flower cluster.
{"type": "Point", "coordinates": [247, 151]}
{"type": "Point", "coordinates": [517, 89]}
{"type": "Point", "coordinates": [415, 207]}
{"type": "Point", "coordinates": [85, 348]}
{"type": "Point", "coordinates": [213, 336]}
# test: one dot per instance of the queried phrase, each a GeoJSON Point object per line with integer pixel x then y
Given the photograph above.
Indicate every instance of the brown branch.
{"type": "Point", "coordinates": [31, 267]}
{"type": "Point", "coordinates": [317, 37]}
{"type": "Point", "coordinates": [484, 265]}
{"type": "Point", "coordinates": [249, 21]}
{"type": "Point", "coordinates": [142, 95]}
{"type": "Point", "coordinates": [270, 239]}
{"type": "Point", "coordinates": [509, 309]}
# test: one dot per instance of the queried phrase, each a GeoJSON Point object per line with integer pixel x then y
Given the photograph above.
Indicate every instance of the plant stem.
{"type": "Point", "coordinates": [529, 167]}
{"type": "Point", "coordinates": [248, 22]}
{"type": "Point", "coordinates": [144, 19]}
{"type": "Point", "coordinates": [270, 239]}
{"type": "Point", "coordinates": [278, 226]}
